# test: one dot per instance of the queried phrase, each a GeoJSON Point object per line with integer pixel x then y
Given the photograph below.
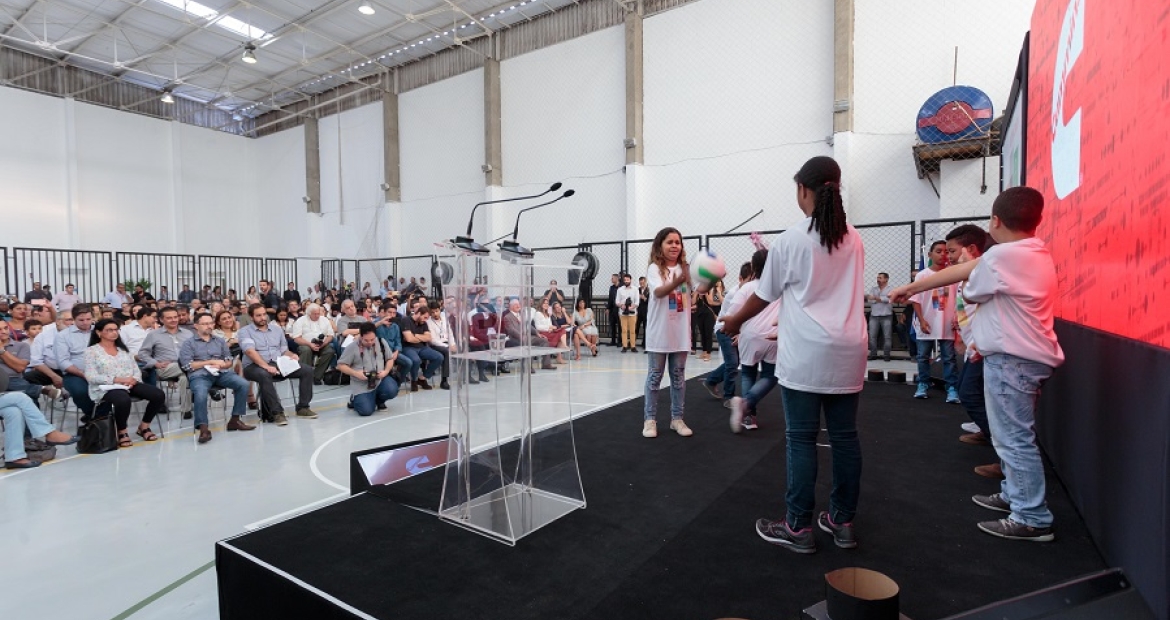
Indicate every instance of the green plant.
{"type": "Point", "coordinates": [143, 282]}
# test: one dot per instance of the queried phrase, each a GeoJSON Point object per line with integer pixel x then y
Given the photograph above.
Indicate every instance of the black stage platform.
{"type": "Point", "coordinates": [668, 532]}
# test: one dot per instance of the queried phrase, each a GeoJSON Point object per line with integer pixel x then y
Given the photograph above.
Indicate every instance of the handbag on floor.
{"type": "Point", "coordinates": [39, 450]}
{"type": "Point", "coordinates": [98, 436]}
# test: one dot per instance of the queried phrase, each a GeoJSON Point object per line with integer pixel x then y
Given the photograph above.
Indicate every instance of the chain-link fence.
{"type": "Point", "coordinates": [736, 249]}
{"type": "Point", "coordinates": [930, 231]}
{"type": "Point", "coordinates": [889, 248]}
{"type": "Point", "coordinates": [413, 268]}
{"type": "Point", "coordinates": [379, 272]}
{"type": "Point", "coordinates": [229, 273]}
{"type": "Point", "coordinates": [4, 271]}
{"type": "Point", "coordinates": [638, 254]}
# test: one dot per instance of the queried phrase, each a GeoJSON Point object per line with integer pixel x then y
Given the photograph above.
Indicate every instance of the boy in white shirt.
{"type": "Point", "coordinates": [934, 319]}
{"type": "Point", "coordinates": [1015, 285]}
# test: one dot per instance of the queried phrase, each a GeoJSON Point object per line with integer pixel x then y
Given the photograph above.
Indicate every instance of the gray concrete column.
{"type": "Point", "coordinates": [635, 147]}
{"type": "Point", "coordinates": [312, 165]}
{"type": "Point", "coordinates": [492, 129]}
{"type": "Point", "coordinates": [843, 66]}
{"type": "Point", "coordinates": [392, 158]}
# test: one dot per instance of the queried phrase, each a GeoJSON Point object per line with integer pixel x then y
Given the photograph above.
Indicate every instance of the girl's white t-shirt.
{"type": "Point", "coordinates": [823, 338]}
{"type": "Point", "coordinates": [754, 342]}
{"type": "Point", "coordinates": [668, 319]}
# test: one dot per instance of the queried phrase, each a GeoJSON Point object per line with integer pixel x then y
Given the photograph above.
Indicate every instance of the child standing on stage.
{"type": "Point", "coordinates": [756, 351]}
{"type": "Point", "coordinates": [1014, 284]}
{"type": "Point", "coordinates": [668, 329]}
{"type": "Point", "coordinates": [817, 269]}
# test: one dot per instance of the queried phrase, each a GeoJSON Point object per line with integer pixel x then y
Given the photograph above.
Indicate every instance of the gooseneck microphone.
{"type": "Point", "coordinates": [467, 243]}
{"type": "Point", "coordinates": [511, 246]}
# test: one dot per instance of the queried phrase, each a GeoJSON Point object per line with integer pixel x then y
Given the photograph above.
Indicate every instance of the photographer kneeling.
{"type": "Point", "coordinates": [369, 362]}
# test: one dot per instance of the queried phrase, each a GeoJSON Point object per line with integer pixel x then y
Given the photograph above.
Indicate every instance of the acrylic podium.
{"type": "Point", "coordinates": [512, 461]}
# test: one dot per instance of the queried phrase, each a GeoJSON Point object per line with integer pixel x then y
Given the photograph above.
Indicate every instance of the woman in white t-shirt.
{"type": "Point", "coordinates": [668, 329]}
{"type": "Point", "coordinates": [816, 268]}
{"type": "Point", "coordinates": [756, 347]}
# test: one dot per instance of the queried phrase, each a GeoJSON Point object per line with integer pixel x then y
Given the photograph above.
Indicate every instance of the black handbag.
{"type": "Point", "coordinates": [98, 436]}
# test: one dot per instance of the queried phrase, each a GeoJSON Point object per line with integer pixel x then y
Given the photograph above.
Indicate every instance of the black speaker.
{"type": "Point", "coordinates": [588, 263]}
{"type": "Point", "coordinates": [1096, 596]}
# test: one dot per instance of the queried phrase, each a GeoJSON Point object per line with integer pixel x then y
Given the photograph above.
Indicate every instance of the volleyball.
{"type": "Point", "coordinates": [706, 268]}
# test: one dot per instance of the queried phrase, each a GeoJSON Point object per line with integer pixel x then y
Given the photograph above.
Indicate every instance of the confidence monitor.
{"type": "Point", "coordinates": [386, 465]}
{"type": "Point", "coordinates": [1014, 135]}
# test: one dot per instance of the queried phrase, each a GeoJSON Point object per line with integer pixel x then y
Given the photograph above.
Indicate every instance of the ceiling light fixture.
{"type": "Point", "coordinates": [366, 8]}
{"type": "Point", "coordinates": [249, 54]}
{"type": "Point", "coordinates": [167, 98]}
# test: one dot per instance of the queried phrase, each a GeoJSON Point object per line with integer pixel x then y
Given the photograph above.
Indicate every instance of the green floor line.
{"type": "Point", "coordinates": [163, 592]}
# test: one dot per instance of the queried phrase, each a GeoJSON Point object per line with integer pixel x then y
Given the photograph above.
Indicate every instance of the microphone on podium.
{"type": "Point", "coordinates": [510, 247]}
{"type": "Point", "coordinates": [469, 244]}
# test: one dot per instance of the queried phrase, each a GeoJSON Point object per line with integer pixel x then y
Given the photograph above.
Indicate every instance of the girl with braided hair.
{"type": "Point", "coordinates": [817, 270]}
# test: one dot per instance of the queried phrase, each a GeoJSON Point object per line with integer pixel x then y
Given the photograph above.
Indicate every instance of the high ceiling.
{"type": "Point", "coordinates": [196, 49]}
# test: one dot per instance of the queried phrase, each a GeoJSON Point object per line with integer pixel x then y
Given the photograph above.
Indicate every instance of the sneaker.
{"type": "Point", "coordinates": [349, 405]}
{"type": "Point", "coordinates": [681, 428]}
{"type": "Point", "coordinates": [749, 422]}
{"type": "Point", "coordinates": [778, 533]}
{"type": "Point", "coordinates": [970, 427]}
{"type": "Point", "coordinates": [306, 413]}
{"type": "Point", "coordinates": [279, 419]}
{"type": "Point", "coordinates": [713, 389]}
{"type": "Point", "coordinates": [921, 393]}
{"type": "Point", "coordinates": [650, 428]}
{"type": "Point", "coordinates": [842, 534]}
{"type": "Point", "coordinates": [953, 396]}
{"type": "Point", "coordinates": [1006, 528]}
{"type": "Point", "coordinates": [736, 419]}
{"type": "Point", "coordinates": [995, 501]}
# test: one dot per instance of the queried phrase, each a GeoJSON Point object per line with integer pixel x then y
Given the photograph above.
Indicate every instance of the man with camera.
{"type": "Point", "coordinates": [369, 361]}
{"type": "Point", "coordinates": [627, 301]}
{"type": "Point", "coordinates": [313, 334]}
{"type": "Point", "coordinates": [208, 363]}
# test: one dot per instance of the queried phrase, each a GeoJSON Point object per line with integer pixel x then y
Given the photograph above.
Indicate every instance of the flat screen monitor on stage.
{"type": "Point", "coordinates": [389, 464]}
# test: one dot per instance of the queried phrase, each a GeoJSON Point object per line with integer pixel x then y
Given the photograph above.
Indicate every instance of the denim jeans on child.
{"type": "Point", "coordinates": [756, 384]}
{"type": "Point", "coordinates": [971, 394]}
{"type": "Point", "coordinates": [950, 370]}
{"type": "Point", "coordinates": [1011, 386]}
{"type": "Point", "coordinates": [678, 382]}
{"type": "Point", "coordinates": [802, 414]}
{"type": "Point", "coordinates": [728, 371]}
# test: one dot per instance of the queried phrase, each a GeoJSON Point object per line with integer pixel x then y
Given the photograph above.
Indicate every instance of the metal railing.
{"type": "Point", "coordinates": [933, 230]}
{"type": "Point", "coordinates": [160, 270]}
{"type": "Point", "coordinates": [90, 272]}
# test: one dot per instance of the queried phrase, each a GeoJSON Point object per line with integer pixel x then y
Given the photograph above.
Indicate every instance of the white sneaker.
{"type": "Point", "coordinates": [970, 427]}
{"type": "Point", "coordinates": [650, 428]}
{"type": "Point", "coordinates": [681, 428]}
{"type": "Point", "coordinates": [736, 414]}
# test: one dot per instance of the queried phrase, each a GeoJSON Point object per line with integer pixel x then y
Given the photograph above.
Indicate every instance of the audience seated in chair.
{"type": "Point", "coordinates": [160, 352]}
{"type": "Point", "coordinates": [262, 344]}
{"type": "Point", "coordinates": [14, 360]}
{"type": "Point", "coordinates": [69, 353]}
{"type": "Point", "coordinates": [208, 361]}
{"type": "Point", "coordinates": [113, 379]}
{"type": "Point", "coordinates": [416, 337]}
{"type": "Point", "coordinates": [21, 415]}
{"type": "Point", "coordinates": [515, 324]}
{"type": "Point", "coordinates": [314, 336]}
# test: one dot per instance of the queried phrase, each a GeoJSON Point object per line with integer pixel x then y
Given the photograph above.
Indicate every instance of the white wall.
{"type": "Point", "coordinates": [564, 119]}
{"type": "Point", "coordinates": [901, 58]}
{"type": "Point", "coordinates": [738, 94]}
{"type": "Point", "coordinates": [440, 133]}
{"type": "Point", "coordinates": [352, 201]}
{"type": "Point", "coordinates": [33, 169]}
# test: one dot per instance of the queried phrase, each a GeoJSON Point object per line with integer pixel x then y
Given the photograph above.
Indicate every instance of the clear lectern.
{"type": "Point", "coordinates": [512, 462]}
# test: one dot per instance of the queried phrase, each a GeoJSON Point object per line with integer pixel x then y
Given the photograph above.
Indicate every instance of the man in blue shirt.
{"type": "Point", "coordinates": [208, 363]}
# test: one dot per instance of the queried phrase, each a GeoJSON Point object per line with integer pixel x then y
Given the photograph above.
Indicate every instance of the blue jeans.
{"type": "Point", "coordinates": [1011, 386]}
{"type": "Point", "coordinates": [149, 374]}
{"type": "Point", "coordinates": [885, 326]}
{"type": "Point", "coordinates": [756, 385]}
{"type": "Point", "coordinates": [20, 384]}
{"type": "Point", "coordinates": [419, 353]}
{"type": "Point", "coordinates": [728, 371]}
{"type": "Point", "coordinates": [79, 390]}
{"type": "Point", "coordinates": [201, 382]}
{"type": "Point", "coordinates": [950, 370]}
{"type": "Point", "coordinates": [365, 404]}
{"type": "Point", "coordinates": [802, 414]}
{"type": "Point", "coordinates": [971, 394]}
{"type": "Point", "coordinates": [19, 413]}
{"type": "Point", "coordinates": [678, 385]}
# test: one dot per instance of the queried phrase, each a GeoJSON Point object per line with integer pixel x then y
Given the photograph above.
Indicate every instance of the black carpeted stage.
{"type": "Point", "coordinates": [668, 532]}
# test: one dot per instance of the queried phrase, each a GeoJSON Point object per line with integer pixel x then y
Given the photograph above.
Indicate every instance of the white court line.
{"type": "Point", "coordinates": [17, 472]}
{"type": "Point", "coordinates": [336, 601]}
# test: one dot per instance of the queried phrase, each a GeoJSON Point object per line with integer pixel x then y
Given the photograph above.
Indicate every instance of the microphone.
{"type": "Point", "coordinates": [511, 247]}
{"type": "Point", "coordinates": [467, 243]}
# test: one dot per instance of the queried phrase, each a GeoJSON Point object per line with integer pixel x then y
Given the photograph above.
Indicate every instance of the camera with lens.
{"type": "Point", "coordinates": [319, 340]}
{"type": "Point", "coordinates": [371, 380]}
{"type": "Point", "coordinates": [628, 308]}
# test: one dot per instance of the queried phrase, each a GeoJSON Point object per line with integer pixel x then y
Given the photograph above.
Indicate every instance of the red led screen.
{"type": "Point", "coordinates": [1098, 138]}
